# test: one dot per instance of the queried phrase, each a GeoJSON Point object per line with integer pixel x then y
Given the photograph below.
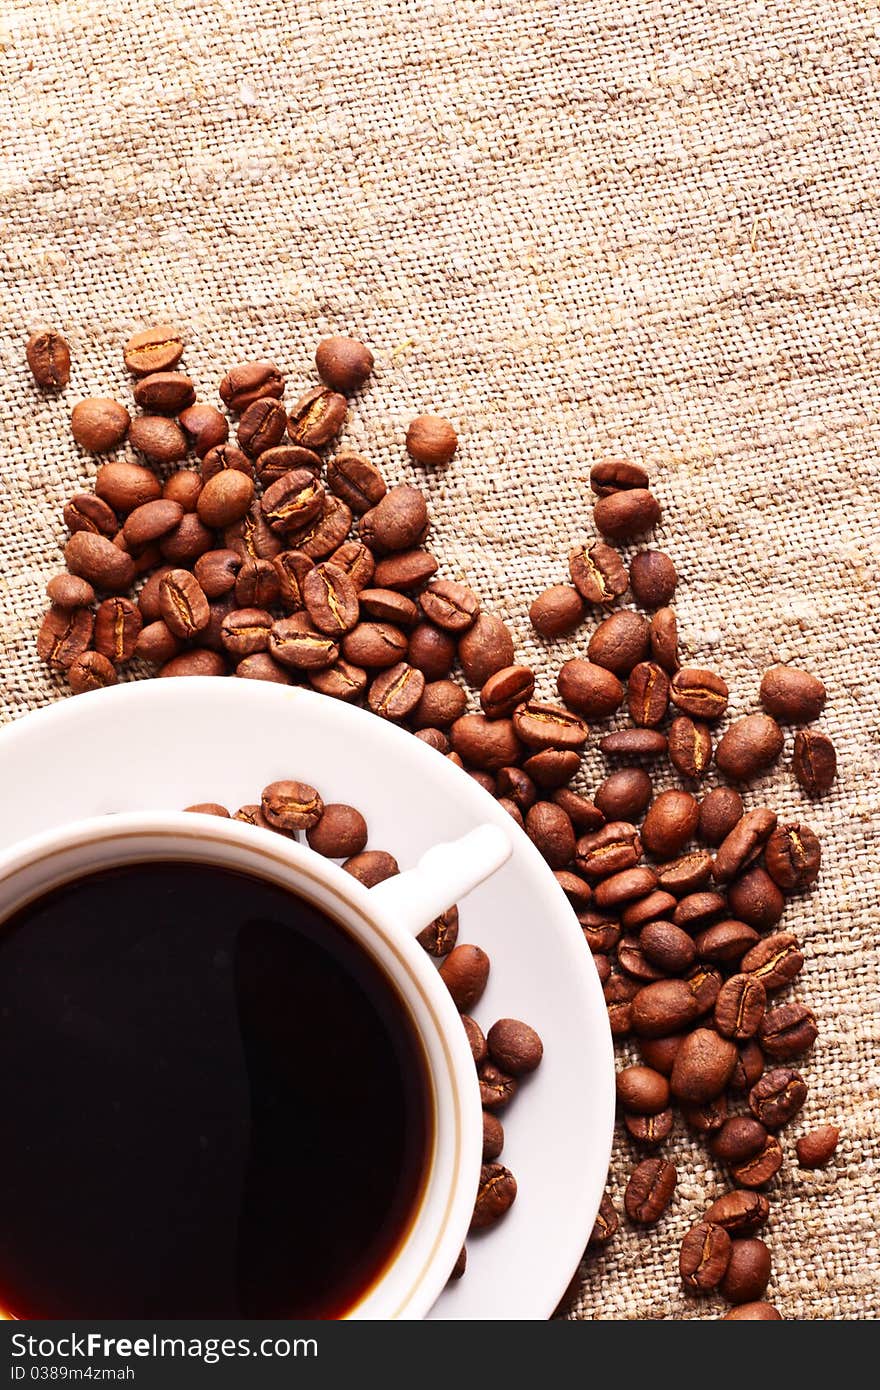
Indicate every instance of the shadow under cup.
{"type": "Point", "coordinates": [216, 1101]}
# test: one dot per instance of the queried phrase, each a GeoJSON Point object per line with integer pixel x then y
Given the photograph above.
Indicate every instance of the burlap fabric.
{"type": "Point", "coordinates": [578, 228]}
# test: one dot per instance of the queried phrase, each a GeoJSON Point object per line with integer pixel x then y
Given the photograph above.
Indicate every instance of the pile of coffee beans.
{"type": "Point", "coordinates": [509, 1051]}
{"type": "Point", "coordinates": [265, 563]}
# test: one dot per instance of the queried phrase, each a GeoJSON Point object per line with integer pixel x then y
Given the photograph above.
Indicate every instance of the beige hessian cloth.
{"type": "Point", "coordinates": [578, 228]}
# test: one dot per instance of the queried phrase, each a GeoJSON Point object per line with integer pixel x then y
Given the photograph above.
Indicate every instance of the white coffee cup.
{"type": "Point", "coordinates": [385, 921]}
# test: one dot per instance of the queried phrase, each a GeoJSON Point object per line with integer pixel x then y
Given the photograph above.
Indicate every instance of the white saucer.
{"type": "Point", "coordinates": [157, 744]}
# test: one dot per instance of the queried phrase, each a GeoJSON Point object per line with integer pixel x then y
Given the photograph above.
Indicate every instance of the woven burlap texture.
{"type": "Point", "coordinates": [578, 228]}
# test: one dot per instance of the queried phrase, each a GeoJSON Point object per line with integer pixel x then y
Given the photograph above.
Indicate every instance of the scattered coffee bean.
{"type": "Point", "coordinates": [91, 671]}
{"type": "Point", "coordinates": [647, 694]}
{"type": "Point", "coordinates": [86, 512]}
{"type": "Point", "coordinates": [290, 805]}
{"type": "Point", "coordinates": [720, 810]}
{"type": "Point", "coordinates": [775, 961]}
{"type": "Point", "coordinates": [67, 591]}
{"type": "Point", "coordinates": [153, 350]}
{"type": "Point", "coordinates": [497, 1089]}
{"type": "Point", "coordinates": [465, 972]}
{"type": "Point", "coordinates": [793, 856]}
{"type": "Point", "coordinates": [431, 440]}
{"type": "Point", "coordinates": [620, 642]}
{"type": "Point", "coordinates": [316, 418]}
{"type": "Point", "coordinates": [493, 1135]}
{"type": "Point", "coordinates": [664, 639]}
{"type": "Point", "coordinates": [182, 604]}
{"type": "Point", "coordinates": [642, 1090]}
{"type": "Point", "coordinates": [438, 938]}
{"type": "Point", "coordinates": [606, 1224]}
{"type": "Point", "coordinates": [652, 578]}
{"type": "Point", "coordinates": [748, 1271]}
{"type": "Point", "coordinates": [66, 633]}
{"type": "Point", "coordinates": [450, 606]}
{"type": "Point", "coordinates": [343, 364]}
{"type": "Point", "coordinates": [787, 1031]}
{"type": "Point", "coordinates": [703, 1066]}
{"type": "Point", "coordinates": [664, 1008]}
{"type": "Point", "coordinates": [624, 795]}
{"type": "Point", "coordinates": [118, 625]}
{"type": "Point", "coordinates": [485, 648]}
{"type": "Point", "coordinates": [616, 475]}
{"type": "Point", "coordinates": [667, 947]}
{"type": "Point", "coordinates": [761, 1167]}
{"type": "Point", "coordinates": [743, 844]}
{"type": "Point", "coordinates": [671, 821]}
{"type": "Point", "coordinates": [627, 513]}
{"type": "Point", "coordinates": [690, 748]}
{"type": "Point", "coordinates": [649, 1130]}
{"type": "Point", "coordinates": [100, 562]}
{"type": "Point", "coordinates": [371, 867]}
{"type": "Point", "coordinates": [749, 746]}
{"type": "Point", "coordinates": [791, 695]}
{"type": "Point", "coordinates": [590, 690]}
{"type": "Point", "coordinates": [634, 743]}
{"type": "Point", "coordinates": [495, 1195]}
{"type": "Point", "coordinates": [777, 1097]}
{"type": "Point", "coordinates": [740, 1212]}
{"type": "Point", "coordinates": [740, 1007]}
{"type": "Point", "coordinates": [818, 1147]}
{"type": "Point", "coordinates": [550, 727]}
{"type": "Point", "coordinates": [598, 573]}
{"type": "Point", "coordinates": [704, 1257]}
{"type": "Point", "coordinates": [557, 611]}
{"type": "Point", "coordinates": [739, 1138]}
{"type": "Point", "coordinates": [99, 425]}
{"type": "Point", "coordinates": [814, 762]}
{"type": "Point", "coordinates": [753, 1312]}
{"type": "Point", "coordinates": [48, 357]}
{"type": "Point", "coordinates": [249, 382]}
{"type": "Point", "coordinates": [699, 693]}
{"type": "Point", "coordinates": [649, 1191]}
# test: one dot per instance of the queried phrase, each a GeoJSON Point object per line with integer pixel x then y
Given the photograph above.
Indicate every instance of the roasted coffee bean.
{"type": "Point", "coordinates": [125, 486]}
{"type": "Point", "coordinates": [697, 910]}
{"type": "Point", "coordinates": [649, 1130]}
{"type": "Point", "coordinates": [261, 426]}
{"type": "Point", "coordinates": [552, 767]}
{"type": "Point", "coordinates": [699, 693]}
{"type": "Point", "coordinates": [340, 833]}
{"type": "Point", "coordinates": [299, 648]}
{"type": "Point", "coordinates": [395, 693]}
{"type": "Point", "coordinates": [624, 795]}
{"type": "Point", "coordinates": [623, 887]}
{"type": "Point", "coordinates": [148, 599]}
{"type": "Point", "coordinates": [86, 512]}
{"type": "Point", "coordinates": [151, 522]}
{"type": "Point", "coordinates": [372, 866]}
{"type": "Point", "coordinates": [209, 808]}
{"type": "Point", "coordinates": [632, 959]}
{"type": "Point", "coordinates": [205, 427]}
{"type": "Point", "coordinates": [476, 1040]}
{"type": "Point", "coordinates": [431, 651]}
{"type": "Point", "coordinates": [816, 1149]}
{"type": "Point", "coordinates": [603, 970]}
{"type": "Point", "coordinates": [664, 640]}
{"type": "Point", "coordinates": [225, 499]}
{"type": "Point", "coordinates": [357, 481]}
{"type": "Point", "coordinates": [575, 889]}
{"type": "Point", "coordinates": [622, 515]}
{"type": "Point", "coordinates": [814, 762]}
{"type": "Point", "coordinates": [720, 810]}
{"type": "Point", "coordinates": [618, 992]}
{"type": "Point", "coordinates": [541, 725]}
{"type": "Point", "coordinates": [704, 1257]}
{"type": "Point", "coordinates": [589, 689]}
{"type": "Point", "coordinates": [670, 822]}
{"type": "Point", "coordinates": [649, 1190]}
{"type": "Point", "coordinates": [431, 440]}
{"type": "Point", "coordinates": [159, 439]}
{"type": "Point", "coordinates": [620, 642]}
{"type": "Point", "coordinates": [189, 539]}
{"type": "Point", "coordinates": [777, 1097]}
{"type": "Point", "coordinates": [330, 599]}
{"type": "Point", "coordinates": [749, 746]}
{"type": "Point", "coordinates": [441, 703]}
{"type": "Point", "coordinates": [743, 844]}
{"type": "Point", "coordinates": [485, 648]}
{"type": "Point", "coordinates": [465, 972]}
{"type": "Point", "coordinates": [493, 1131]}
{"type": "Point", "coordinates": [246, 631]}
{"type": "Point", "coordinates": [505, 803]}
{"type": "Point", "coordinates": [291, 568]}
{"type": "Point", "coordinates": [183, 487]}
{"type": "Point", "coordinates": [740, 1007]}
{"type": "Point", "coordinates": [118, 625]}
{"type": "Point", "coordinates": [690, 747]}
{"type": "Point", "coordinates": [261, 667]}
{"type": "Point", "coordinates": [761, 1167]}
{"type": "Point", "coordinates": [65, 634]}
{"type": "Point", "coordinates": [642, 1090]}
{"type": "Point", "coordinates": [91, 671]}
{"type": "Point", "coordinates": [225, 457]}
{"type": "Point", "coordinates": [791, 695]}
{"type": "Point", "coordinates": [748, 1271]}
{"type": "Point", "coordinates": [505, 690]}
{"type": "Point", "coordinates": [634, 743]}
{"type": "Point", "coordinates": [290, 805]}
{"type": "Point", "coordinates": [438, 938]}
{"type": "Point", "coordinates": [647, 694]}
{"type": "Point", "coordinates": [326, 533]}
{"type": "Point", "coordinates": [398, 522]}
{"type": "Point", "coordinates": [753, 1312]}
{"type": "Point", "coordinates": [616, 846]}
{"type": "Point", "coordinates": [582, 812]}
{"type": "Point", "coordinates": [355, 560]}
{"type": "Point", "coordinates": [450, 606]}
{"type": "Point", "coordinates": [257, 584]}
{"type": "Point", "coordinates": [293, 501]}
{"type": "Point", "coordinates": [605, 1225]}
{"type": "Point", "coordinates": [495, 1195]}
{"type": "Point", "coordinates": [164, 393]}
{"type": "Point", "coordinates": [497, 1089]}
{"type": "Point", "coordinates": [725, 942]}
{"type": "Point", "coordinates": [667, 946]}
{"type": "Point", "coordinates": [211, 636]}
{"type": "Point", "coordinates": [551, 832]}
{"type": "Point", "coordinates": [48, 357]}
{"type": "Point", "coordinates": [653, 578]}
{"type": "Point", "coordinates": [557, 611]}
{"type": "Point", "coordinates": [407, 570]}
{"type": "Point", "coordinates": [703, 1065]}
{"type": "Point", "coordinates": [249, 382]}
{"type": "Point", "coordinates": [749, 1066]}
{"type": "Point", "coordinates": [597, 572]}
{"type": "Point", "coordinates": [653, 908]}
{"type": "Point", "coordinates": [252, 537]}
{"type": "Point", "coordinates": [386, 606]}
{"type": "Point", "coordinates": [195, 663]}
{"type": "Point", "coordinates": [216, 572]}
{"type": "Point", "coordinates": [153, 350]}
{"type": "Point", "coordinates": [98, 424]}
{"type": "Point", "coordinates": [67, 591]}
{"type": "Point", "coordinates": [343, 363]}
{"type": "Point", "coordinates": [317, 417]}
{"type": "Point", "coordinates": [375, 645]}
{"type": "Point", "coordinates": [518, 786]}
{"type": "Point", "coordinates": [775, 961]}
{"type": "Point", "coordinates": [739, 1212]}
{"type": "Point", "coordinates": [687, 874]}
{"type": "Point", "coordinates": [156, 643]}
{"type": "Point", "coordinates": [707, 1118]}
{"type": "Point", "coordinates": [182, 603]}
{"type": "Point", "coordinates": [787, 1030]}
{"type": "Point", "coordinates": [704, 983]}
{"type": "Point", "coordinates": [100, 562]}
{"type": "Point", "coordinates": [341, 680]}
{"type": "Point", "coordinates": [793, 855]}
{"type": "Point", "coordinates": [755, 898]}
{"type": "Point", "coordinates": [145, 559]}
{"type": "Point", "coordinates": [739, 1138]}
{"type": "Point", "coordinates": [616, 475]}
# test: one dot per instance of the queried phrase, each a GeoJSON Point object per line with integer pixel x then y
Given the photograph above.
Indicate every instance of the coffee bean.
{"type": "Point", "coordinates": [740, 1007]}
{"type": "Point", "coordinates": [156, 643]}
{"type": "Point", "coordinates": [704, 983]}
{"type": "Point", "coordinates": [125, 486]}
{"type": "Point", "coordinates": [343, 363]}
{"type": "Point", "coordinates": [431, 651]}
{"type": "Point", "coordinates": [326, 533]}
{"type": "Point", "coordinates": [664, 640]}
{"type": "Point", "coordinates": [165, 393]}
{"type": "Point", "coordinates": [653, 578]}
{"type": "Point", "coordinates": [151, 522]}
{"type": "Point", "coordinates": [653, 908]}
{"type": "Point", "coordinates": [582, 812]}
{"type": "Point", "coordinates": [398, 522]}
{"type": "Point", "coordinates": [551, 832]}
{"type": "Point", "coordinates": [485, 648]}
{"type": "Point", "coordinates": [777, 1097]}
{"type": "Point", "coordinates": [707, 1118]}
{"type": "Point", "coordinates": [497, 1089]}
{"type": "Point", "coordinates": [317, 417]}
{"type": "Point", "coordinates": [357, 481]}
{"type": "Point", "coordinates": [588, 689]}
{"type": "Point", "coordinates": [620, 642]}
{"type": "Point", "coordinates": [260, 666]}
{"type": "Point", "coordinates": [159, 439]}
{"type": "Point", "coordinates": [65, 634]}
{"type": "Point", "coordinates": [740, 1213]}
{"type": "Point", "coordinates": [753, 1312]}
{"type": "Point", "coordinates": [291, 568]}
{"type": "Point", "coordinates": [67, 591]}
{"type": "Point", "coordinates": [749, 1066]}
{"type": "Point", "coordinates": [634, 743]}
{"type": "Point", "coordinates": [251, 536]}
{"type": "Point", "coordinates": [189, 539]}
{"type": "Point", "coordinates": [613, 848]}
{"type": "Point", "coordinates": [697, 910]}
{"type": "Point", "coordinates": [748, 1271]}
{"type": "Point", "coordinates": [623, 887]}
{"type": "Point", "coordinates": [615, 475]}
{"type": "Point", "coordinates": [755, 898]}
{"type": "Point", "coordinates": [704, 1257]}
{"type": "Point", "coordinates": [91, 671]}
{"type": "Point", "coordinates": [743, 844]}
{"type": "Point", "coordinates": [622, 515]}
{"type": "Point", "coordinates": [290, 805]}
{"type": "Point", "coordinates": [293, 501]}
{"type": "Point", "coordinates": [505, 690]}
{"type": "Point", "coordinates": [686, 874]}
{"type": "Point", "coordinates": [246, 631]}
{"type": "Point", "coordinates": [441, 703]}
{"type": "Point", "coordinates": [597, 572]}
{"type": "Point", "coordinates": [793, 855]}
{"type": "Point", "coordinates": [298, 647]}
{"type": "Point", "coordinates": [792, 695]}
{"type": "Point", "coordinates": [649, 1130]}
{"type": "Point", "coordinates": [216, 572]}
{"type": "Point", "coordinates": [720, 810]}
{"type": "Point", "coordinates": [725, 942]}
{"type": "Point", "coordinates": [146, 558]}
{"type": "Point", "coordinates": [340, 833]}
{"type": "Point", "coordinates": [690, 747]}
{"type": "Point", "coordinates": [669, 824]}
{"type": "Point", "coordinates": [788, 1030]}
{"type": "Point", "coordinates": [575, 889]}
{"type": "Point", "coordinates": [618, 992]}
{"type": "Point", "coordinates": [699, 693]}
{"type": "Point", "coordinates": [371, 867]}
{"type": "Point", "coordinates": [182, 603]}
{"type": "Point", "coordinates": [606, 1223]}
{"type": "Point", "coordinates": [465, 973]}
{"type": "Point", "coordinates": [632, 959]}
{"type": "Point", "coordinates": [505, 803]}
{"type": "Point", "coordinates": [667, 946]}
{"type": "Point", "coordinates": [449, 605]}
{"type": "Point", "coordinates": [209, 808]}
{"type": "Point", "coordinates": [261, 426]}
{"type": "Point", "coordinates": [541, 725]}
{"type": "Point", "coordinates": [642, 1090]}
{"type": "Point", "coordinates": [98, 424]}
{"type": "Point", "coordinates": [205, 427]}
{"type": "Point", "coordinates": [816, 1149]}
{"type": "Point", "coordinates": [647, 694]}
{"type": "Point", "coordinates": [195, 663]}
{"type": "Point", "coordinates": [86, 512]}
{"type": "Point", "coordinates": [375, 645]}
{"type": "Point", "coordinates": [775, 961]}
{"type": "Point", "coordinates": [649, 1190]}
{"type": "Point", "coordinates": [223, 458]}
{"type": "Point", "coordinates": [249, 382]}
{"type": "Point", "coordinates": [624, 795]}
{"type": "Point", "coordinates": [493, 1133]}
{"type": "Point", "coordinates": [409, 569]}
{"type": "Point", "coordinates": [438, 938]}
{"type": "Point", "coordinates": [386, 606]}
{"type": "Point", "coordinates": [814, 762]}
{"type": "Point", "coordinates": [153, 350]}
{"type": "Point", "coordinates": [495, 1195]}
{"type": "Point", "coordinates": [739, 1138]}
{"type": "Point", "coordinates": [331, 599]}
{"type": "Point", "coordinates": [48, 357]}
{"type": "Point", "coordinates": [395, 693]}
{"type": "Point", "coordinates": [100, 562]}
{"type": "Point", "coordinates": [431, 440]}
{"type": "Point", "coordinates": [703, 1066]}
{"type": "Point", "coordinates": [557, 611]}
{"type": "Point", "coordinates": [118, 625]}
{"type": "Point", "coordinates": [257, 584]}
{"type": "Point", "coordinates": [761, 1167]}
{"type": "Point", "coordinates": [749, 746]}
{"type": "Point", "coordinates": [342, 681]}
{"type": "Point", "coordinates": [225, 498]}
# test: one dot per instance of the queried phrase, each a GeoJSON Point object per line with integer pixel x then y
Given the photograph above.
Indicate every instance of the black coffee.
{"type": "Point", "coordinates": [214, 1103]}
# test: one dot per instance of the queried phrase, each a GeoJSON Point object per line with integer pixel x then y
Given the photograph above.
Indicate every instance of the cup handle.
{"type": "Point", "coordinates": [442, 876]}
